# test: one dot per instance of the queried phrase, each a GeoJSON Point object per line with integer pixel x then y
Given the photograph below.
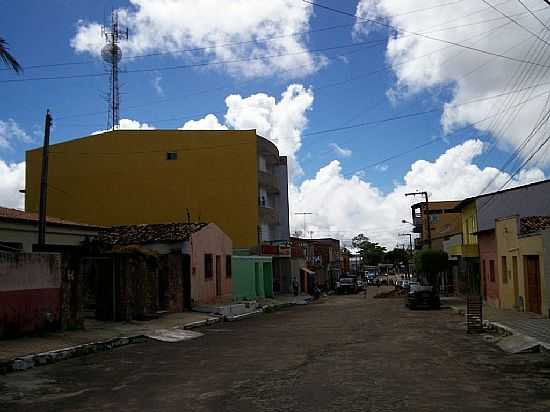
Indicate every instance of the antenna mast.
{"type": "Point", "coordinates": [112, 54]}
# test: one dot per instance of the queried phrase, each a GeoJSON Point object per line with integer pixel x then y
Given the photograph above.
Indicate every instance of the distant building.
{"type": "Point", "coordinates": [19, 231]}
{"type": "Point", "coordinates": [234, 179]}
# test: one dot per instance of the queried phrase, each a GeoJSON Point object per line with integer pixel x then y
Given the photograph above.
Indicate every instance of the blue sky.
{"type": "Point", "coordinates": [343, 95]}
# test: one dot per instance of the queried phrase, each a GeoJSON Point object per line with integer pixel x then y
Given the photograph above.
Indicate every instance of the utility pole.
{"type": "Point", "coordinates": [425, 194]}
{"type": "Point", "coordinates": [410, 239]}
{"type": "Point", "coordinates": [305, 215]}
{"type": "Point", "coordinates": [44, 183]}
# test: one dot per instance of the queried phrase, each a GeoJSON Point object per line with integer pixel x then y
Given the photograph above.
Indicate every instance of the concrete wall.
{"type": "Point", "coordinates": [252, 277]}
{"type": "Point", "coordinates": [214, 177]}
{"type": "Point", "coordinates": [533, 200]}
{"type": "Point", "coordinates": [27, 234]}
{"type": "Point", "coordinates": [209, 240]}
{"type": "Point", "coordinates": [487, 252]}
{"type": "Point", "coordinates": [30, 292]}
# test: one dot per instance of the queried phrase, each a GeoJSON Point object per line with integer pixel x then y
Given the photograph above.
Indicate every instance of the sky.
{"type": "Point", "coordinates": [370, 100]}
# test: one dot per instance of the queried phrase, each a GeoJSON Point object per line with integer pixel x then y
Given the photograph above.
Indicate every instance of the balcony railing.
{"type": "Point", "coordinates": [268, 181]}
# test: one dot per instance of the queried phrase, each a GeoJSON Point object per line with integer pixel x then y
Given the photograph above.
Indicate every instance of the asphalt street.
{"type": "Point", "coordinates": [345, 353]}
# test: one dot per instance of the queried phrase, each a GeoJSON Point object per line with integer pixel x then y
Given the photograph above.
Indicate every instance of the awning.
{"type": "Point", "coordinates": [311, 272]}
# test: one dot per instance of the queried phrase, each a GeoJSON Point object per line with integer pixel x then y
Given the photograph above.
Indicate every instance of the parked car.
{"type": "Point", "coordinates": [360, 284]}
{"type": "Point", "coordinates": [422, 295]}
{"type": "Point", "coordinates": [346, 284]}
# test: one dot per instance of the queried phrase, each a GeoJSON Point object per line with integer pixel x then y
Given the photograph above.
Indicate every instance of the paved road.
{"type": "Point", "coordinates": [343, 354]}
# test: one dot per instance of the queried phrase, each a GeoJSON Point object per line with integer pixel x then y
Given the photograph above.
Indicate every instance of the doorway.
{"type": "Point", "coordinates": [532, 280]}
{"type": "Point", "coordinates": [515, 280]}
{"type": "Point", "coordinates": [186, 280]}
{"type": "Point", "coordinates": [218, 275]}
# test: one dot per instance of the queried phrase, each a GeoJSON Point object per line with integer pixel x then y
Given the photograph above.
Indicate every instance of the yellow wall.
{"type": "Point", "coordinates": [469, 223]}
{"type": "Point", "coordinates": [510, 245]}
{"type": "Point", "coordinates": [123, 177]}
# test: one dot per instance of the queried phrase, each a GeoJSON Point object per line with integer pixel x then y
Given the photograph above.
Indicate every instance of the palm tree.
{"type": "Point", "coordinates": [7, 58]}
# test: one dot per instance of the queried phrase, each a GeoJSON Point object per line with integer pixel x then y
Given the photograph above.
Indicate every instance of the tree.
{"type": "Point", "coordinates": [371, 252]}
{"type": "Point", "coordinates": [431, 263]}
{"type": "Point", "coordinates": [397, 256]}
{"type": "Point", "coordinates": [7, 58]}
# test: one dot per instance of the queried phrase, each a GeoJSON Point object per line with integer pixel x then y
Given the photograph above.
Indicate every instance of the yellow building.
{"type": "Point", "coordinates": [235, 179]}
{"type": "Point", "coordinates": [522, 250]}
{"type": "Point", "coordinates": [444, 222]}
{"type": "Point", "coordinates": [468, 247]}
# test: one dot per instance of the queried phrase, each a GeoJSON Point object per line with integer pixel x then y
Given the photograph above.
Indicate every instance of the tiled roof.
{"type": "Point", "coordinates": [531, 224]}
{"type": "Point", "coordinates": [139, 234]}
{"type": "Point", "coordinates": [7, 213]}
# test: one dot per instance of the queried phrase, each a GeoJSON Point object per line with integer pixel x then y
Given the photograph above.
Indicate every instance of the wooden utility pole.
{"type": "Point", "coordinates": [44, 183]}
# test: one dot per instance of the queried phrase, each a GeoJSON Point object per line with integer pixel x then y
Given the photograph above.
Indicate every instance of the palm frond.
{"type": "Point", "coordinates": [7, 58]}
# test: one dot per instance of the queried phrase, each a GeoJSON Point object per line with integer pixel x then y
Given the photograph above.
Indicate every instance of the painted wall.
{"type": "Point", "coordinates": [531, 200]}
{"type": "Point", "coordinates": [252, 277]}
{"type": "Point", "coordinates": [513, 295]}
{"type": "Point", "coordinates": [210, 240]}
{"type": "Point", "coordinates": [124, 177]}
{"type": "Point", "coordinates": [469, 224]}
{"type": "Point", "coordinates": [488, 252]}
{"type": "Point", "coordinates": [27, 234]}
{"type": "Point", "coordinates": [30, 292]}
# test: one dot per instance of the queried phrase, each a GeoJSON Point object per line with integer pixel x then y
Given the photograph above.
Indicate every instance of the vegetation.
{"type": "Point", "coordinates": [371, 252]}
{"type": "Point", "coordinates": [7, 58]}
{"type": "Point", "coordinates": [431, 263]}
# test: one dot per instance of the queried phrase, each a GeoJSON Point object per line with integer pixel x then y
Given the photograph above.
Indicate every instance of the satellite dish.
{"type": "Point", "coordinates": [108, 54]}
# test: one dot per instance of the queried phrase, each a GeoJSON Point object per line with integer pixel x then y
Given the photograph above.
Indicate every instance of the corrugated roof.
{"type": "Point", "coordinates": [532, 224]}
{"type": "Point", "coordinates": [149, 233]}
{"type": "Point", "coordinates": [11, 214]}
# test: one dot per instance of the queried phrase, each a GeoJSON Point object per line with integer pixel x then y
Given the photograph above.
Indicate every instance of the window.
{"type": "Point", "coordinates": [504, 270]}
{"type": "Point", "coordinates": [208, 266]}
{"type": "Point", "coordinates": [171, 156]}
{"type": "Point", "coordinates": [228, 266]}
{"type": "Point", "coordinates": [492, 270]}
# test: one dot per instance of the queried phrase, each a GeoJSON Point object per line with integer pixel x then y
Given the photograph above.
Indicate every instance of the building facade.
{"type": "Point", "coordinates": [235, 179]}
{"type": "Point", "coordinates": [523, 272]}
{"type": "Point", "coordinates": [444, 222]}
{"type": "Point", "coordinates": [19, 231]}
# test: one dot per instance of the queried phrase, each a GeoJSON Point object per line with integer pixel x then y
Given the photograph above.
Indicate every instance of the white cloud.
{"type": "Point", "coordinates": [340, 151]}
{"type": "Point", "coordinates": [157, 86]}
{"type": "Point", "coordinates": [209, 122]}
{"type": "Point", "coordinates": [382, 168]}
{"type": "Point", "coordinates": [345, 206]}
{"type": "Point", "coordinates": [173, 25]}
{"type": "Point", "coordinates": [129, 124]}
{"type": "Point", "coordinates": [12, 178]}
{"type": "Point", "coordinates": [10, 132]}
{"type": "Point", "coordinates": [281, 121]}
{"type": "Point", "coordinates": [422, 64]}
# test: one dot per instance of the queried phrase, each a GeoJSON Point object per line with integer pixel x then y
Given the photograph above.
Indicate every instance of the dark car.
{"type": "Point", "coordinates": [346, 284]}
{"type": "Point", "coordinates": [422, 295]}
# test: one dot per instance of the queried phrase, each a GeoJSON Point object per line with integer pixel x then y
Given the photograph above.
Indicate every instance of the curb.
{"type": "Point", "coordinates": [45, 358]}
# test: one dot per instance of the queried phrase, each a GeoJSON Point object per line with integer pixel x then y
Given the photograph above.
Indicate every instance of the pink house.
{"type": "Point", "coordinates": [203, 249]}
{"type": "Point", "coordinates": [488, 263]}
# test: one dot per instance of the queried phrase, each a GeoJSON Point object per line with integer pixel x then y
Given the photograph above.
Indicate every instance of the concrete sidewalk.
{"type": "Point", "coordinates": [509, 321]}
{"type": "Point", "coordinates": [26, 352]}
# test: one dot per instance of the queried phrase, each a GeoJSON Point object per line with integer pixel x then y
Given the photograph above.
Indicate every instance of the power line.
{"type": "Point", "coordinates": [387, 25]}
{"type": "Point", "coordinates": [203, 64]}
{"type": "Point", "coordinates": [515, 22]}
{"type": "Point", "coordinates": [534, 15]}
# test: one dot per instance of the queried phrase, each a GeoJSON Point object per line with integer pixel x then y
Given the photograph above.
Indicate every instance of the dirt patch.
{"type": "Point", "coordinates": [396, 293]}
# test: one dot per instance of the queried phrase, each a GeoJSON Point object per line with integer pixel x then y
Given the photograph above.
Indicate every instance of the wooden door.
{"type": "Point", "coordinates": [533, 284]}
{"type": "Point", "coordinates": [218, 275]}
{"type": "Point", "coordinates": [515, 279]}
